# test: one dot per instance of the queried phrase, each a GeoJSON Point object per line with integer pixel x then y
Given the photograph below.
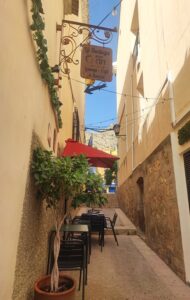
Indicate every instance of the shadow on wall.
{"type": "Point", "coordinates": [32, 251]}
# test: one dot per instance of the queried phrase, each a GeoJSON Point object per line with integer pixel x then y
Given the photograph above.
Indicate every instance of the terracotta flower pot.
{"type": "Point", "coordinates": [44, 283]}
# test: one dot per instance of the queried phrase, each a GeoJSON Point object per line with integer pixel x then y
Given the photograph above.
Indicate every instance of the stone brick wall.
{"type": "Point", "coordinates": [32, 252]}
{"type": "Point", "coordinates": [112, 200]}
{"type": "Point", "coordinates": [162, 227]}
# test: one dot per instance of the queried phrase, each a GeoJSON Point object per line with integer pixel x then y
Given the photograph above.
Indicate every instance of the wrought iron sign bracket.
{"type": "Point", "coordinates": [69, 43]}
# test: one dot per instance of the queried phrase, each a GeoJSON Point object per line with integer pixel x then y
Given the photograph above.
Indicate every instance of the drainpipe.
{"type": "Point", "coordinates": [132, 126]}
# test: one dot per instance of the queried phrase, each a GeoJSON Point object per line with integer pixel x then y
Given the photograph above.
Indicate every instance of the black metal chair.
{"type": "Point", "coordinates": [83, 237]}
{"type": "Point", "coordinates": [110, 224]}
{"type": "Point", "coordinates": [97, 222]}
{"type": "Point", "coordinates": [72, 256]}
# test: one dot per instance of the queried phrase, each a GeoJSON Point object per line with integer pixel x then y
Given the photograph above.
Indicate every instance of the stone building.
{"type": "Point", "coordinates": [31, 115]}
{"type": "Point", "coordinates": [153, 66]}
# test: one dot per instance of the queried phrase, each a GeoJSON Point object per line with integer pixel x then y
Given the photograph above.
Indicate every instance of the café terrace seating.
{"type": "Point", "coordinates": [79, 220]}
{"type": "Point", "coordinates": [72, 256]}
{"type": "Point", "coordinates": [97, 222]}
{"type": "Point", "coordinates": [110, 224]}
{"type": "Point", "coordinates": [75, 247]}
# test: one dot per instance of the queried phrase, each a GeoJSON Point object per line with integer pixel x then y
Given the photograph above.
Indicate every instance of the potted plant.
{"type": "Point", "coordinates": [57, 179]}
{"type": "Point", "coordinates": [110, 175]}
{"type": "Point", "coordinates": [92, 194]}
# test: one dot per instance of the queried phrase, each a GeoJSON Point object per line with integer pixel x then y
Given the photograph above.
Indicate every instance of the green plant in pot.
{"type": "Point", "coordinates": [92, 195]}
{"type": "Point", "coordinates": [111, 174]}
{"type": "Point", "coordinates": [57, 179]}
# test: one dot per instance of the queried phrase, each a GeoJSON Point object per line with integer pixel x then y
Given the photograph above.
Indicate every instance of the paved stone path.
{"type": "Point", "coordinates": [130, 271]}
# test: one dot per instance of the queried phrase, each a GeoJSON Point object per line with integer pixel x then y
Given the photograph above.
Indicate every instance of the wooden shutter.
{"type": "Point", "coordinates": [75, 7]}
{"type": "Point", "coordinates": [76, 124]}
{"type": "Point", "coordinates": [71, 7]}
{"type": "Point", "coordinates": [187, 172]}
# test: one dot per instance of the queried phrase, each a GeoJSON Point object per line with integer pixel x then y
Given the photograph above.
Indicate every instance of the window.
{"type": "Point", "coordinates": [187, 172]}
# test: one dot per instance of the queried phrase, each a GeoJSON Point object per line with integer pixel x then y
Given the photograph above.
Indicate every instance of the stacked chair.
{"type": "Point", "coordinates": [72, 256]}
{"type": "Point", "coordinates": [79, 220]}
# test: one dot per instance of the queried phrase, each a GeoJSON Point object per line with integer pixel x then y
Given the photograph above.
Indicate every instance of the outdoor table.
{"type": "Point", "coordinates": [93, 211]}
{"type": "Point", "coordinates": [90, 215]}
{"type": "Point", "coordinates": [75, 228]}
{"type": "Point", "coordinates": [78, 228]}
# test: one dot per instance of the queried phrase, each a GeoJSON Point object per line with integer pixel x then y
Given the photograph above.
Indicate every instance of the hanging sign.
{"type": "Point", "coordinates": [96, 63]}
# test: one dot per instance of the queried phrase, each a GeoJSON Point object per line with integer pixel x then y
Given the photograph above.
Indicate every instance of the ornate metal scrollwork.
{"type": "Point", "coordinates": [70, 40]}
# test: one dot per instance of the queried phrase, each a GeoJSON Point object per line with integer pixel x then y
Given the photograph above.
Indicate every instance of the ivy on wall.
{"type": "Point", "coordinates": [184, 134]}
{"type": "Point", "coordinates": [37, 27]}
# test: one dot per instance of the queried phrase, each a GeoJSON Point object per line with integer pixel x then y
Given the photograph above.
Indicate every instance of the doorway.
{"type": "Point", "coordinates": [140, 204]}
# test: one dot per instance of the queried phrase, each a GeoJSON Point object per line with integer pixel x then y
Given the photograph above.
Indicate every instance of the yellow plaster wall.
{"type": "Point", "coordinates": [25, 108]}
{"type": "Point", "coordinates": [164, 40]}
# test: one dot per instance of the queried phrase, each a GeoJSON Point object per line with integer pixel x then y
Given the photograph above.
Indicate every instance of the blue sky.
{"type": "Point", "coordinates": [101, 105]}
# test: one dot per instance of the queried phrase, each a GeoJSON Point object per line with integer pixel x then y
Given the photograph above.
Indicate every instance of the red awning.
{"type": "Point", "coordinates": [96, 158]}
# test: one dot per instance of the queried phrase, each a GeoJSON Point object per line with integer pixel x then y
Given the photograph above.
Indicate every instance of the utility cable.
{"type": "Point", "coordinates": [100, 130]}
{"type": "Point", "coordinates": [122, 94]}
{"type": "Point", "coordinates": [101, 122]}
{"type": "Point", "coordinates": [135, 112]}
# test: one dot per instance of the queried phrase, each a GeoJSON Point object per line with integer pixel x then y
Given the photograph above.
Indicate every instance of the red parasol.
{"type": "Point", "coordinates": [96, 158]}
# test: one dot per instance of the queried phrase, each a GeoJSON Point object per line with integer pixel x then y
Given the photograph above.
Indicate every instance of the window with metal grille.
{"type": "Point", "coordinates": [187, 172]}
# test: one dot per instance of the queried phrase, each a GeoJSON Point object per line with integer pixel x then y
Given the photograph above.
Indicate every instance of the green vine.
{"type": "Point", "coordinates": [37, 27]}
{"type": "Point", "coordinates": [184, 134]}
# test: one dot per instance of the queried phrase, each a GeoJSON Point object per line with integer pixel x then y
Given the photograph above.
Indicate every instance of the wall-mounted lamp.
{"type": "Point", "coordinates": [70, 31]}
{"type": "Point", "coordinates": [116, 129]}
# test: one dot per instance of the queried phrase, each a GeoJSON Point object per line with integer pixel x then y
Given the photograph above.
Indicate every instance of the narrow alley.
{"type": "Point", "coordinates": [95, 149]}
{"type": "Point", "coordinates": [130, 271]}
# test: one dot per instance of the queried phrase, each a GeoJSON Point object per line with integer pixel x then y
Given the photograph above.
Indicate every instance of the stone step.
{"type": "Point", "coordinates": [123, 224]}
{"type": "Point", "coordinates": [122, 230]}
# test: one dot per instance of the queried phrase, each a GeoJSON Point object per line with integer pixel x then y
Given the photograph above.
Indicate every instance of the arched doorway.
{"type": "Point", "coordinates": [140, 204]}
